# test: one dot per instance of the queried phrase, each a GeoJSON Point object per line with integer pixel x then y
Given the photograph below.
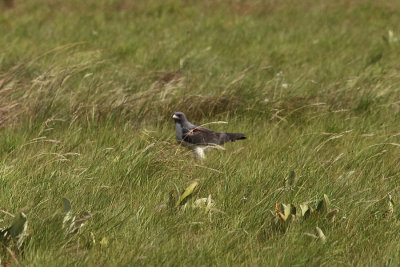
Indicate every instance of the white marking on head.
{"type": "Point", "coordinates": [175, 117]}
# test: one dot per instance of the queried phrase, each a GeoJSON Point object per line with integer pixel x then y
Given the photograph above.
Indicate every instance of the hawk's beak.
{"type": "Point", "coordinates": [175, 117]}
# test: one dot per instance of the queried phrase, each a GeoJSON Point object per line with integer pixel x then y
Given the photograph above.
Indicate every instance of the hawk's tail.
{"type": "Point", "coordinates": [235, 136]}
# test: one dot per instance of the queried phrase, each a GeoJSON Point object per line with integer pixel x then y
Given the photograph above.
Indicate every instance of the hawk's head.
{"type": "Point", "coordinates": [179, 117]}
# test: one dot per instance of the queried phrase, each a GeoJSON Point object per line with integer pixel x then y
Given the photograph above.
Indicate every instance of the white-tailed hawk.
{"type": "Point", "coordinates": [200, 139]}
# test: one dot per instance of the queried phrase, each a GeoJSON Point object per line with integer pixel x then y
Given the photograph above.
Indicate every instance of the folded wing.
{"type": "Point", "coordinates": [204, 136]}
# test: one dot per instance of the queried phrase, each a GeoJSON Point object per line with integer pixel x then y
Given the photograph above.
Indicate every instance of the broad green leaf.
{"type": "Point", "coordinates": [19, 225]}
{"type": "Point", "coordinates": [287, 210]}
{"type": "Point", "coordinates": [390, 205]}
{"type": "Point", "coordinates": [323, 205]}
{"type": "Point", "coordinates": [189, 190]}
{"type": "Point", "coordinates": [283, 211]}
{"type": "Point", "coordinates": [18, 229]}
{"type": "Point", "coordinates": [321, 235]}
{"type": "Point", "coordinates": [17, 232]}
{"type": "Point", "coordinates": [304, 209]}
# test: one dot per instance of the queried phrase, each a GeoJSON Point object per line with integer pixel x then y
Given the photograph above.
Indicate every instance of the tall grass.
{"type": "Point", "coordinates": [86, 95]}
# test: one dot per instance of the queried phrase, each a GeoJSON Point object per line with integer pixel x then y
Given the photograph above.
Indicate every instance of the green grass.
{"type": "Point", "coordinates": [87, 90]}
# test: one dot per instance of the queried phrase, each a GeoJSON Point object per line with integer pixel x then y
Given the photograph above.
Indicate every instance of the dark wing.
{"type": "Point", "coordinates": [202, 136]}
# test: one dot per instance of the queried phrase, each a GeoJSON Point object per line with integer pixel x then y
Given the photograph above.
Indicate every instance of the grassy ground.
{"type": "Point", "coordinates": [87, 90]}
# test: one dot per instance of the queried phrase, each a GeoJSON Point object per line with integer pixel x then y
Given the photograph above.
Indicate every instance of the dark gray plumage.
{"type": "Point", "coordinates": [199, 138]}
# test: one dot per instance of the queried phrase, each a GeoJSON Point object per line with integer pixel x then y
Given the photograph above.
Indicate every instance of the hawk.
{"type": "Point", "coordinates": [200, 139]}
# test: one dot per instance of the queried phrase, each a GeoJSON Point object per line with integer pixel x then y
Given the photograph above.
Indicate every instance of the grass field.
{"type": "Point", "coordinates": [87, 91]}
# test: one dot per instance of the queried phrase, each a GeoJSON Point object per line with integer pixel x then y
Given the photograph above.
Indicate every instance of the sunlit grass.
{"type": "Point", "coordinates": [87, 90]}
